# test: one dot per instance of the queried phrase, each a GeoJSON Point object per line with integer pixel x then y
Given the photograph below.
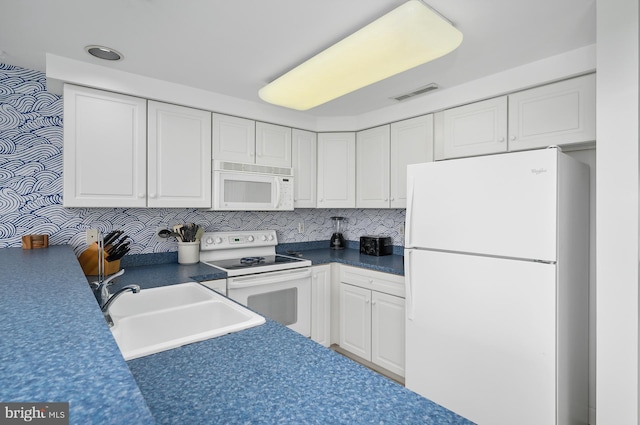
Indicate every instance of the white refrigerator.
{"type": "Point", "coordinates": [497, 287]}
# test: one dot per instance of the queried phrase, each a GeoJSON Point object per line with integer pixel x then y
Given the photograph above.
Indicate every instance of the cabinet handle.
{"type": "Point", "coordinates": [366, 301]}
{"type": "Point", "coordinates": [141, 195]}
{"type": "Point", "coordinates": [513, 138]}
{"type": "Point", "coordinates": [501, 140]}
{"type": "Point", "coordinates": [373, 303]}
{"type": "Point", "coordinates": [152, 195]}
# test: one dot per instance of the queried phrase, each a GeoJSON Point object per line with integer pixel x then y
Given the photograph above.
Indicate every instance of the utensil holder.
{"type": "Point", "coordinates": [89, 262]}
{"type": "Point", "coordinates": [188, 252]}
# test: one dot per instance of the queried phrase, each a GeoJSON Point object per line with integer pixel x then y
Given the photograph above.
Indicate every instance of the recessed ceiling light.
{"type": "Point", "coordinates": [105, 53]}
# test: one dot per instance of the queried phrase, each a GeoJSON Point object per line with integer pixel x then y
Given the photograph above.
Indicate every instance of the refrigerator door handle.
{"type": "Point", "coordinates": [409, 213]}
{"type": "Point", "coordinates": [408, 286]}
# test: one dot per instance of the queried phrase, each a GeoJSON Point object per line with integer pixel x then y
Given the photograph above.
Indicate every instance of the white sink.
{"type": "Point", "coordinates": [167, 317]}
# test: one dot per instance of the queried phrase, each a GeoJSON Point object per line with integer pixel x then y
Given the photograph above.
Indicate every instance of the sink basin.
{"type": "Point", "coordinates": [167, 317]}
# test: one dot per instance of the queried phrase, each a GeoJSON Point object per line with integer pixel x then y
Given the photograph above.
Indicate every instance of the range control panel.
{"type": "Point", "coordinates": [240, 239]}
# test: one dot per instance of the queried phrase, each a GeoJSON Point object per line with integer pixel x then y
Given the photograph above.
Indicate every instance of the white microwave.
{"type": "Point", "coordinates": [251, 187]}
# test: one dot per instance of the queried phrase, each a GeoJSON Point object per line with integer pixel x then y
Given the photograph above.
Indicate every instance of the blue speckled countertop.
{"type": "Point", "coordinates": [158, 274]}
{"type": "Point", "coordinates": [387, 263]}
{"type": "Point", "coordinates": [55, 345]}
{"type": "Point", "coordinates": [270, 374]}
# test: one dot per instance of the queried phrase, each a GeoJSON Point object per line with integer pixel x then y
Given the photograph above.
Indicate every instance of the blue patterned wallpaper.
{"type": "Point", "coordinates": [31, 188]}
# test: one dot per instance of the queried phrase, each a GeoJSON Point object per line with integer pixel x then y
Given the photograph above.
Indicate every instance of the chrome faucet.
{"type": "Point", "coordinates": [101, 289]}
{"type": "Point", "coordinates": [106, 304]}
{"type": "Point", "coordinates": [105, 298]}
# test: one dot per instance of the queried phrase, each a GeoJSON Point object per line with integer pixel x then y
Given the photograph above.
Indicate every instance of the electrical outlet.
{"type": "Point", "coordinates": [92, 236]}
{"type": "Point", "coordinates": [401, 230]}
{"type": "Point", "coordinates": [301, 227]}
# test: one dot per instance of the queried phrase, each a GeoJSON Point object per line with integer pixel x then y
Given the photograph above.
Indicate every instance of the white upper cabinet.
{"type": "Point", "coordinates": [234, 139]}
{"type": "Point", "coordinates": [411, 143]}
{"type": "Point", "coordinates": [105, 149]}
{"type": "Point", "coordinates": [383, 154]}
{"type": "Point", "coordinates": [273, 145]}
{"type": "Point", "coordinates": [304, 158]}
{"type": "Point", "coordinates": [336, 170]}
{"type": "Point", "coordinates": [179, 152]}
{"type": "Point", "coordinates": [562, 113]}
{"type": "Point", "coordinates": [476, 129]}
{"type": "Point", "coordinates": [122, 151]}
{"type": "Point", "coordinates": [372, 167]}
{"type": "Point", "coordinates": [556, 114]}
{"type": "Point", "coordinates": [243, 140]}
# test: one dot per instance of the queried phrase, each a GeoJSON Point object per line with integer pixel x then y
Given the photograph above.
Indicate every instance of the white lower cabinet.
{"type": "Point", "coordinates": [387, 331]}
{"type": "Point", "coordinates": [372, 315]}
{"type": "Point", "coordinates": [321, 304]}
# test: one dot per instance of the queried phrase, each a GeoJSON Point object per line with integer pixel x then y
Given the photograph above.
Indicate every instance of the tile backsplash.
{"type": "Point", "coordinates": [31, 188]}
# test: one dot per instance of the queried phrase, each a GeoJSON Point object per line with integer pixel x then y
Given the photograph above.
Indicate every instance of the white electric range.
{"type": "Point", "coordinates": [276, 286]}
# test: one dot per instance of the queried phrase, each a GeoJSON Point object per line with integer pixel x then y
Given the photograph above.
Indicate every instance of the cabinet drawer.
{"type": "Point", "coordinates": [370, 279]}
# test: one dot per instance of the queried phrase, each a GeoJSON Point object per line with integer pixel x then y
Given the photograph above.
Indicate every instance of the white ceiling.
{"type": "Point", "coordinates": [234, 47]}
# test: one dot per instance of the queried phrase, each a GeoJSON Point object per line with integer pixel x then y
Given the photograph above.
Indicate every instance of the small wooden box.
{"type": "Point", "coordinates": [35, 241]}
{"type": "Point", "coordinates": [89, 262]}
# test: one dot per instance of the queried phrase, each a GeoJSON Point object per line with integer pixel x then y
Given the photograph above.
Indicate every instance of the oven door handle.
{"type": "Point", "coordinates": [267, 278]}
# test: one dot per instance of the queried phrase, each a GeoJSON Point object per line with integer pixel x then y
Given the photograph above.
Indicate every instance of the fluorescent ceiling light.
{"type": "Point", "coordinates": [404, 38]}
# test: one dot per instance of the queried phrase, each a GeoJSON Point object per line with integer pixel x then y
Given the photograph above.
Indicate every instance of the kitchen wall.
{"type": "Point", "coordinates": [31, 188]}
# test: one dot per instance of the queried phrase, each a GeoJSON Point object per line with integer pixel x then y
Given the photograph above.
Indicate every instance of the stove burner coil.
{"type": "Point", "coordinates": [250, 261]}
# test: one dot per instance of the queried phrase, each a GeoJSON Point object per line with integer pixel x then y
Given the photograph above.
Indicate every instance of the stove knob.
{"type": "Point", "coordinates": [270, 237]}
{"type": "Point", "coordinates": [218, 240]}
{"type": "Point", "coordinates": [264, 237]}
{"type": "Point", "coordinates": [250, 238]}
{"type": "Point", "coordinates": [209, 241]}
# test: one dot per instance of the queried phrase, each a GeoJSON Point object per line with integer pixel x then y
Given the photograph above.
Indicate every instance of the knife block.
{"type": "Point", "coordinates": [89, 262]}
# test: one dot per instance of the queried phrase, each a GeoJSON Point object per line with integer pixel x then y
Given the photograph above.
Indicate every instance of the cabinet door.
{"type": "Point", "coordinates": [304, 154]}
{"type": "Point", "coordinates": [387, 332]}
{"type": "Point", "coordinates": [372, 168]}
{"type": "Point", "coordinates": [336, 170]}
{"type": "Point", "coordinates": [411, 143]}
{"type": "Point", "coordinates": [105, 149]}
{"type": "Point", "coordinates": [234, 139]}
{"type": "Point", "coordinates": [556, 114]}
{"type": "Point", "coordinates": [355, 320]}
{"type": "Point", "coordinates": [179, 152]}
{"type": "Point", "coordinates": [321, 304]}
{"type": "Point", "coordinates": [475, 129]}
{"type": "Point", "coordinates": [273, 145]}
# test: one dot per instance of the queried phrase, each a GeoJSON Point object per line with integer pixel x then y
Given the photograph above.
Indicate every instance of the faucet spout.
{"type": "Point", "coordinates": [105, 306]}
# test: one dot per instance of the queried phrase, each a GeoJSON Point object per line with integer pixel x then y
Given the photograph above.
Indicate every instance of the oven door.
{"type": "Point", "coordinates": [283, 296]}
